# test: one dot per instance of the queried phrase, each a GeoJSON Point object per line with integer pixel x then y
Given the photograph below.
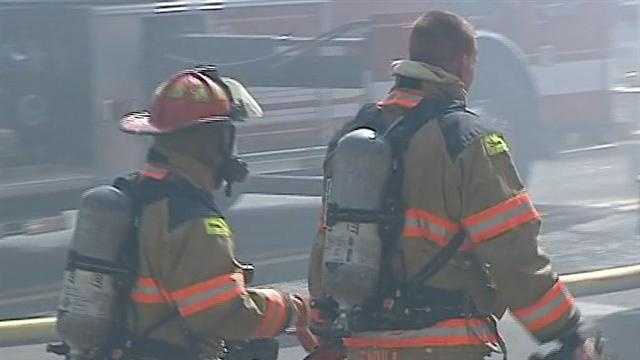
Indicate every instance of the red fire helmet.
{"type": "Point", "coordinates": [189, 98]}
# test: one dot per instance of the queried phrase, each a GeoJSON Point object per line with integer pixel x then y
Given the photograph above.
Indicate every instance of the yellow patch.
{"type": "Point", "coordinates": [494, 144]}
{"type": "Point", "coordinates": [217, 226]}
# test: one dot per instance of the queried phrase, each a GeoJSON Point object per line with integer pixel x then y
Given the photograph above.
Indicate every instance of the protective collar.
{"type": "Point", "coordinates": [435, 81]}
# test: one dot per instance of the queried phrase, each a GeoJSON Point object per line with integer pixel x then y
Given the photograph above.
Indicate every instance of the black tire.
{"type": "Point", "coordinates": [505, 96]}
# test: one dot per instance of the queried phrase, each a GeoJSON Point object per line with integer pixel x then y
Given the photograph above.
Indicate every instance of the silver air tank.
{"type": "Point", "coordinates": [356, 173]}
{"type": "Point", "coordinates": [90, 293]}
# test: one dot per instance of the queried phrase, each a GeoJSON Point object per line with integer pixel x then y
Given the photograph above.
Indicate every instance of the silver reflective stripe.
{"type": "Point", "coordinates": [501, 218]}
{"type": "Point", "coordinates": [204, 296]}
{"type": "Point", "coordinates": [543, 311]}
{"type": "Point", "coordinates": [147, 290]}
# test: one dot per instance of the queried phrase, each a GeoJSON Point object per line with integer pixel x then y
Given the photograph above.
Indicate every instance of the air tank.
{"type": "Point", "coordinates": [357, 171]}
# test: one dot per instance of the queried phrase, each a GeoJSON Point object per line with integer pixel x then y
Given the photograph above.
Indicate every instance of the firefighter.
{"type": "Point", "coordinates": [459, 184]}
{"type": "Point", "coordinates": [190, 290]}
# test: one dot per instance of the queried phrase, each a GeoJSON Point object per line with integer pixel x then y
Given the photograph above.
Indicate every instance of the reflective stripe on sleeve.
{"type": "Point", "coordinates": [208, 294]}
{"type": "Point", "coordinates": [193, 299]}
{"type": "Point", "coordinates": [423, 224]}
{"type": "Point", "coordinates": [454, 332]}
{"type": "Point", "coordinates": [275, 314]}
{"type": "Point", "coordinates": [556, 304]}
{"type": "Point", "coordinates": [500, 218]}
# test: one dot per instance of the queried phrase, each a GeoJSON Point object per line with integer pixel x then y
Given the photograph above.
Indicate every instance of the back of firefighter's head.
{"type": "Point", "coordinates": [445, 40]}
{"type": "Point", "coordinates": [206, 144]}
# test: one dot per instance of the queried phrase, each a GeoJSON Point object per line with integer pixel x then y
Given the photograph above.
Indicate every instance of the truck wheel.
{"type": "Point", "coordinates": [506, 98]}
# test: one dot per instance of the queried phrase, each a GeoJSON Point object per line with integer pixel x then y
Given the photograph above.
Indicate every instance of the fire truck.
{"type": "Point", "coordinates": [69, 69]}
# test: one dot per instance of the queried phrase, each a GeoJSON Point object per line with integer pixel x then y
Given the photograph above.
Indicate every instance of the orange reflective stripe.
{"type": "Point", "coordinates": [500, 218]}
{"type": "Point", "coordinates": [423, 224]}
{"type": "Point", "coordinates": [551, 307]}
{"type": "Point", "coordinates": [208, 294]}
{"type": "Point", "coordinates": [147, 291]}
{"type": "Point", "coordinates": [275, 314]}
{"type": "Point", "coordinates": [454, 332]}
{"type": "Point", "coordinates": [402, 98]}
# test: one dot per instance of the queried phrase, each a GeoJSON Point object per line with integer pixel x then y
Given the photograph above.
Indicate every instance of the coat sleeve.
{"type": "Point", "coordinates": [503, 226]}
{"type": "Point", "coordinates": [200, 276]}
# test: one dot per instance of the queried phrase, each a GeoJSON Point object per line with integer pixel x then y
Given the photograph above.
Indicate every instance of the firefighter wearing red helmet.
{"type": "Point", "coordinates": [191, 292]}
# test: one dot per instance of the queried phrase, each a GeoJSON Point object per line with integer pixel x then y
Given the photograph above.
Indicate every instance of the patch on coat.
{"type": "Point", "coordinates": [494, 144]}
{"type": "Point", "coordinates": [217, 226]}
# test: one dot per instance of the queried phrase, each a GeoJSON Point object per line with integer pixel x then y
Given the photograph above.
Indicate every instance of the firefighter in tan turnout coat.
{"type": "Point", "coordinates": [459, 176]}
{"type": "Point", "coordinates": [191, 291]}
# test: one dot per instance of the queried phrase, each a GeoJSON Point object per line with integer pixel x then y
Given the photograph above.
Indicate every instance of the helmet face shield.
{"type": "Point", "coordinates": [243, 100]}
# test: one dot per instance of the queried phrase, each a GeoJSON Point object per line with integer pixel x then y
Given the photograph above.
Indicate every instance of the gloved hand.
{"type": "Point", "coordinates": [576, 347]}
{"type": "Point", "coordinates": [323, 313]}
{"type": "Point", "coordinates": [300, 321]}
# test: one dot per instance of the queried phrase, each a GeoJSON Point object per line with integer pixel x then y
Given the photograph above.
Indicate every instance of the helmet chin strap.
{"type": "Point", "coordinates": [233, 170]}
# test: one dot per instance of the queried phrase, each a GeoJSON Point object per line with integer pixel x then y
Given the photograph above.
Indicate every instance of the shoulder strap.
{"type": "Point", "coordinates": [400, 134]}
{"type": "Point", "coordinates": [442, 257]}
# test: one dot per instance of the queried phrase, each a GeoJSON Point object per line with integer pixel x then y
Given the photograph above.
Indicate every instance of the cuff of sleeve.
{"type": "Point", "coordinates": [552, 316]}
{"type": "Point", "coordinates": [275, 316]}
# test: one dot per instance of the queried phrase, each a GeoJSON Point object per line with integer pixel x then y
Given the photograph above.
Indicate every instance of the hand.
{"type": "Point", "coordinates": [300, 320]}
{"type": "Point", "coordinates": [591, 349]}
{"type": "Point", "coordinates": [324, 311]}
